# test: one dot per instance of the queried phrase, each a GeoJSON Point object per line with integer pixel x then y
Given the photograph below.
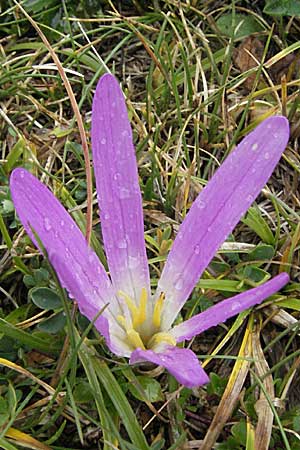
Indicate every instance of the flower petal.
{"type": "Point", "coordinates": [76, 264]}
{"type": "Point", "coordinates": [217, 210]}
{"type": "Point", "coordinates": [118, 189]}
{"type": "Point", "coordinates": [227, 308]}
{"type": "Point", "coordinates": [182, 363]}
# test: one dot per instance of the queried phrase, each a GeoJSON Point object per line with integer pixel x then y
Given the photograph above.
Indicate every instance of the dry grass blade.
{"type": "Point", "coordinates": [25, 440]}
{"type": "Point", "coordinates": [231, 393]}
{"type": "Point", "coordinates": [264, 412]}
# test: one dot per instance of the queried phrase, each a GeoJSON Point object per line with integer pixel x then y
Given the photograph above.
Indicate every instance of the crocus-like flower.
{"type": "Point", "coordinates": [137, 323]}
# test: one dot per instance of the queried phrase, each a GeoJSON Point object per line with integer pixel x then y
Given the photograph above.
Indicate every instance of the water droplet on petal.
{"type": "Point", "coordinates": [133, 262]}
{"type": "Point", "coordinates": [236, 306]}
{"type": "Point", "coordinates": [47, 224]}
{"type": "Point", "coordinates": [200, 204]}
{"type": "Point", "coordinates": [106, 216]}
{"type": "Point", "coordinates": [180, 235]}
{"type": "Point", "coordinates": [124, 193]}
{"type": "Point", "coordinates": [250, 198]}
{"type": "Point", "coordinates": [122, 244]}
{"type": "Point", "coordinates": [117, 176]}
{"type": "Point", "coordinates": [178, 285]}
{"type": "Point", "coordinates": [62, 223]}
{"type": "Point", "coordinates": [267, 155]}
{"type": "Point", "coordinates": [22, 173]}
{"type": "Point", "coordinates": [197, 249]}
{"type": "Point", "coordinates": [103, 141]}
{"type": "Point", "coordinates": [254, 146]}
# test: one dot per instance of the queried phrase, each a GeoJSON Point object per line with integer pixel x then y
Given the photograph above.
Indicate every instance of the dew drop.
{"type": "Point", "coordinates": [106, 216]}
{"type": "Point", "coordinates": [197, 249]}
{"type": "Point", "coordinates": [178, 285]}
{"type": "Point", "coordinates": [47, 224]}
{"type": "Point", "coordinates": [22, 174]}
{"type": "Point", "coordinates": [133, 262]}
{"type": "Point", "coordinates": [103, 141]}
{"type": "Point", "coordinates": [124, 193]}
{"type": "Point", "coordinates": [250, 198]}
{"type": "Point", "coordinates": [254, 146]}
{"type": "Point", "coordinates": [117, 176]}
{"type": "Point", "coordinates": [62, 223]}
{"type": "Point", "coordinates": [267, 155]}
{"type": "Point", "coordinates": [122, 244]}
{"type": "Point", "coordinates": [200, 204]}
{"type": "Point", "coordinates": [235, 307]}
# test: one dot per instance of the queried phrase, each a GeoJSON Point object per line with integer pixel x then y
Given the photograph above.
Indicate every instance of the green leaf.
{"type": "Point", "coordinates": [257, 223]}
{"type": "Point", "coordinates": [53, 324]}
{"type": "Point", "coordinates": [83, 393]}
{"type": "Point", "coordinates": [217, 384]}
{"type": "Point", "coordinates": [239, 431]}
{"type": "Point", "coordinates": [14, 155]}
{"type": "Point", "coordinates": [7, 206]}
{"type": "Point", "coordinates": [220, 285]}
{"type": "Point", "coordinates": [290, 303]}
{"type": "Point", "coordinates": [261, 254]}
{"type": "Point", "coordinates": [282, 7]}
{"type": "Point", "coordinates": [151, 387]}
{"type": "Point", "coordinates": [247, 24]}
{"type": "Point", "coordinates": [26, 338]}
{"type": "Point", "coordinates": [45, 298]}
{"type": "Point", "coordinates": [255, 274]}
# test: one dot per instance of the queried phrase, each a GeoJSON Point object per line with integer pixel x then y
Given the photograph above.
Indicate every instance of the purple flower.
{"type": "Point", "coordinates": [137, 323]}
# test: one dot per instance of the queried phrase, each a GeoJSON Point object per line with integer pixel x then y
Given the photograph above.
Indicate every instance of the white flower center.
{"type": "Point", "coordinates": [138, 316]}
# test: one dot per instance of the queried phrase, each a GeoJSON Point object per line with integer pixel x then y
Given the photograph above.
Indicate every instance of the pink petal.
{"type": "Point", "coordinates": [118, 189]}
{"type": "Point", "coordinates": [227, 308]}
{"type": "Point", "coordinates": [182, 363]}
{"type": "Point", "coordinates": [218, 209]}
{"type": "Point", "coordinates": [76, 265]}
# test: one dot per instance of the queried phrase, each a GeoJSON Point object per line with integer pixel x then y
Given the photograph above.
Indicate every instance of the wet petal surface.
{"type": "Point", "coordinates": [75, 263]}
{"type": "Point", "coordinates": [227, 308]}
{"type": "Point", "coordinates": [217, 210]}
{"type": "Point", "coordinates": [118, 190]}
{"type": "Point", "coordinates": [182, 363]}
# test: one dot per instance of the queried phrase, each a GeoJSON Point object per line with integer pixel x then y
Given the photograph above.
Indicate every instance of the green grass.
{"type": "Point", "coordinates": [188, 106]}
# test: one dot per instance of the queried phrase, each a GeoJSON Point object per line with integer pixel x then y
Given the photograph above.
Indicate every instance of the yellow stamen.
{"type": "Point", "coordinates": [138, 314]}
{"type": "Point", "coordinates": [158, 338]}
{"type": "Point", "coordinates": [156, 318]}
{"type": "Point", "coordinates": [133, 336]}
{"type": "Point", "coordinates": [122, 321]}
{"type": "Point", "coordinates": [135, 339]}
{"type": "Point", "coordinates": [141, 316]}
{"type": "Point", "coordinates": [129, 302]}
